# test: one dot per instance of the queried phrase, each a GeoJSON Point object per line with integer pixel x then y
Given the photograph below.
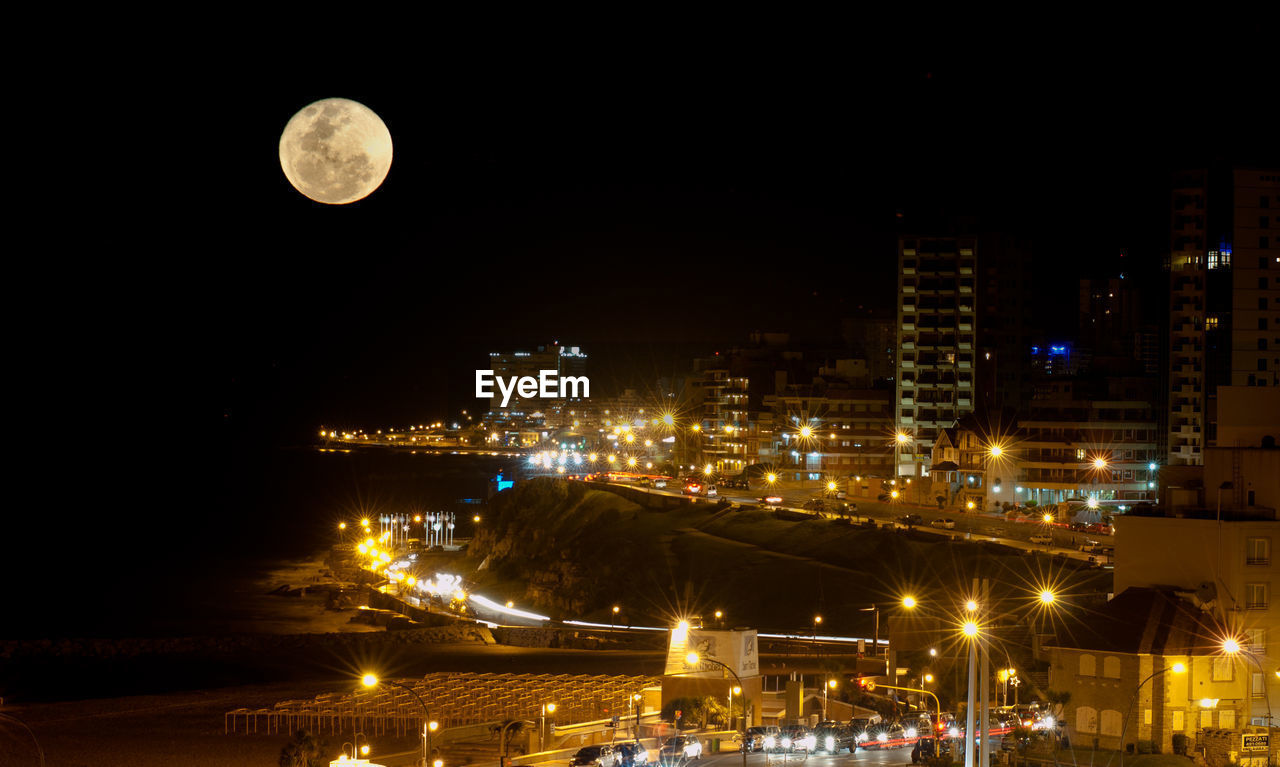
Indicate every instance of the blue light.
{"type": "Point", "coordinates": [1057, 350]}
{"type": "Point", "coordinates": [1035, 350]}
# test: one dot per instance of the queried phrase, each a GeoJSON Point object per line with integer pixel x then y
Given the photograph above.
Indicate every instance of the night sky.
{"type": "Point", "coordinates": [644, 205]}
{"type": "Point", "coordinates": [648, 214]}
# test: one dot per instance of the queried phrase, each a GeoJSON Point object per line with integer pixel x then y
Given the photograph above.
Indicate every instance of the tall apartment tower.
{"type": "Point", "coordinates": [937, 323]}
{"type": "Point", "coordinates": [1223, 298]}
{"type": "Point", "coordinates": [1255, 304]}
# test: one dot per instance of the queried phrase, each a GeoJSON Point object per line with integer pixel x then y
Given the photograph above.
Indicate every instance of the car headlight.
{"type": "Point", "coordinates": [831, 743]}
{"type": "Point", "coordinates": [954, 732]}
{"type": "Point", "coordinates": [770, 742]}
{"type": "Point", "coordinates": [883, 737]}
{"type": "Point", "coordinates": [911, 732]}
{"type": "Point", "coordinates": [786, 742]}
{"type": "Point", "coordinates": [861, 737]}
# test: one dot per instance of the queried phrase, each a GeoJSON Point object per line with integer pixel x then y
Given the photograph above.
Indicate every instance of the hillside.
{"type": "Point", "coordinates": [575, 550]}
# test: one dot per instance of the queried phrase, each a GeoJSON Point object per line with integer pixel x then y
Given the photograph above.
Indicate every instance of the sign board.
{"type": "Point", "coordinates": [869, 686]}
{"type": "Point", "coordinates": [1255, 741]}
{"type": "Point", "coordinates": [735, 649]}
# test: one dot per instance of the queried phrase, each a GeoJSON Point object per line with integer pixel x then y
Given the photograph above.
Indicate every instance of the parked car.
{"type": "Point", "coordinates": [761, 738]}
{"type": "Point", "coordinates": [680, 748]}
{"type": "Point", "coordinates": [1097, 528]}
{"type": "Point", "coordinates": [832, 738]}
{"type": "Point", "coordinates": [910, 520]}
{"type": "Point", "coordinates": [631, 754]}
{"type": "Point", "coordinates": [1042, 539]}
{"type": "Point", "coordinates": [736, 483]}
{"type": "Point", "coordinates": [595, 756]}
{"type": "Point", "coordinates": [944, 524]}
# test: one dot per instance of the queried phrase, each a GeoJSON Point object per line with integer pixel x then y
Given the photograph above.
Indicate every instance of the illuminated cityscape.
{"type": "Point", "coordinates": [481, 414]}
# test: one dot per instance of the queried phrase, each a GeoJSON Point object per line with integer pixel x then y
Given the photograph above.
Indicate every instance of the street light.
{"type": "Point", "coordinates": [428, 726]}
{"type": "Point", "coordinates": [1232, 647]}
{"type": "Point", "coordinates": [547, 708]}
{"type": "Point", "coordinates": [1177, 668]}
{"type": "Point", "coordinates": [693, 659]}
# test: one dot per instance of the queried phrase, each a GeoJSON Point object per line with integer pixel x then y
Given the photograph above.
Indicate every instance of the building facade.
{"type": "Point", "coordinates": [1229, 564]}
{"type": "Point", "coordinates": [1255, 304]}
{"type": "Point", "coordinates": [936, 345]}
{"type": "Point", "coordinates": [1147, 666]}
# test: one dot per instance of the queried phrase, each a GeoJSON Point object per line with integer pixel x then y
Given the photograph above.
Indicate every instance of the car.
{"type": "Point", "coordinates": [1090, 546]}
{"type": "Point", "coordinates": [631, 754]}
{"type": "Point", "coordinates": [910, 520]}
{"type": "Point", "coordinates": [841, 495]}
{"type": "Point", "coordinates": [694, 488]}
{"type": "Point", "coordinates": [595, 756]}
{"type": "Point", "coordinates": [1042, 539]}
{"type": "Point", "coordinates": [832, 737]}
{"type": "Point", "coordinates": [659, 483]}
{"type": "Point", "coordinates": [736, 483]}
{"type": "Point", "coordinates": [761, 738]}
{"type": "Point", "coordinates": [797, 737]}
{"type": "Point", "coordinates": [680, 748]}
{"type": "Point", "coordinates": [1098, 528]}
{"type": "Point", "coordinates": [711, 491]}
{"type": "Point", "coordinates": [944, 524]}
{"type": "Point", "coordinates": [772, 500]}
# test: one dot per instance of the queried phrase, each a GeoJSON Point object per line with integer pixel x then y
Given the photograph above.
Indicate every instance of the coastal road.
{"type": "Point", "coordinates": [974, 527]}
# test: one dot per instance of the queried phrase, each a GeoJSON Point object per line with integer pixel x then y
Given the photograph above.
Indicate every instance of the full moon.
{"type": "Point", "coordinates": [335, 151]}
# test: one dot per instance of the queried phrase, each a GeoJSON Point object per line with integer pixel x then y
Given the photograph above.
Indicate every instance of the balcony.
{"type": "Point", "coordinates": [908, 325]}
{"type": "Point", "coordinates": [908, 270]}
{"type": "Point", "coordinates": [908, 344]}
{"type": "Point", "coordinates": [908, 400]}
{"type": "Point", "coordinates": [908, 365]}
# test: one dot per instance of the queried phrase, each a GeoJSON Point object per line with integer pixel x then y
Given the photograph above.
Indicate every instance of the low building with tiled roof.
{"type": "Point", "coordinates": [1155, 658]}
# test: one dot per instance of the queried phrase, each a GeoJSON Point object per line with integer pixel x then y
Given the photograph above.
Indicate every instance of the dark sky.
{"type": "Point", "coordinates": [645, 204]}
{"type": "Point", "coordinates": [648, 211]}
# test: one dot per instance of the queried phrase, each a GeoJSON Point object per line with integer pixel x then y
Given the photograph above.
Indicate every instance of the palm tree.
{"type": "Point", "coordinates": [302, 751]}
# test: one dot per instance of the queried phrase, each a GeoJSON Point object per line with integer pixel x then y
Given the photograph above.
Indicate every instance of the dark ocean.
{"type": "Point", "coordinates": [163, 549]}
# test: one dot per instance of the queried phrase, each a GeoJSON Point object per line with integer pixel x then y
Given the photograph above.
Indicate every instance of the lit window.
{"type": "Point", "coordinates": [1257, 551]}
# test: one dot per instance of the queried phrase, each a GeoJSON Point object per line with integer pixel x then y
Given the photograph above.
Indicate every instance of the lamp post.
{"type": "Point", "coordinates": [1232, 648]}
{"type": "Point", "coordinates": [693, 659]}
{"type": "Point", "coordinates": [1176, 668]}
{"type": "Point", "coordinates": [428, 726]}
{"type": "Point", "coordinates": [502, 740]}
{"type": "Point", "coordinates": [634, 702]}
{"type": "Point", "coordinates": [547, 708]}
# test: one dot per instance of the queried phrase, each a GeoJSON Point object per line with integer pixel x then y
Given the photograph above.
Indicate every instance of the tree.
{"type": "Point", "coordinates": [703, 708]}
{"type": "Point", "coordinates": [302, 751]}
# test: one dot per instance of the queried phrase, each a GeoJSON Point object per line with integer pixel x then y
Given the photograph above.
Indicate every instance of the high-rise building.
{"type": "Point", "coordinates": [937, 322]}
{"type": "Point", "coordinates": [1255, 305]}
{"type": "Point", "coordinates": [519, 411]}
{"type": "Point", "coordinates": [1223, 298]}
{"type": "Point", "coordinates": [1199, 267]}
